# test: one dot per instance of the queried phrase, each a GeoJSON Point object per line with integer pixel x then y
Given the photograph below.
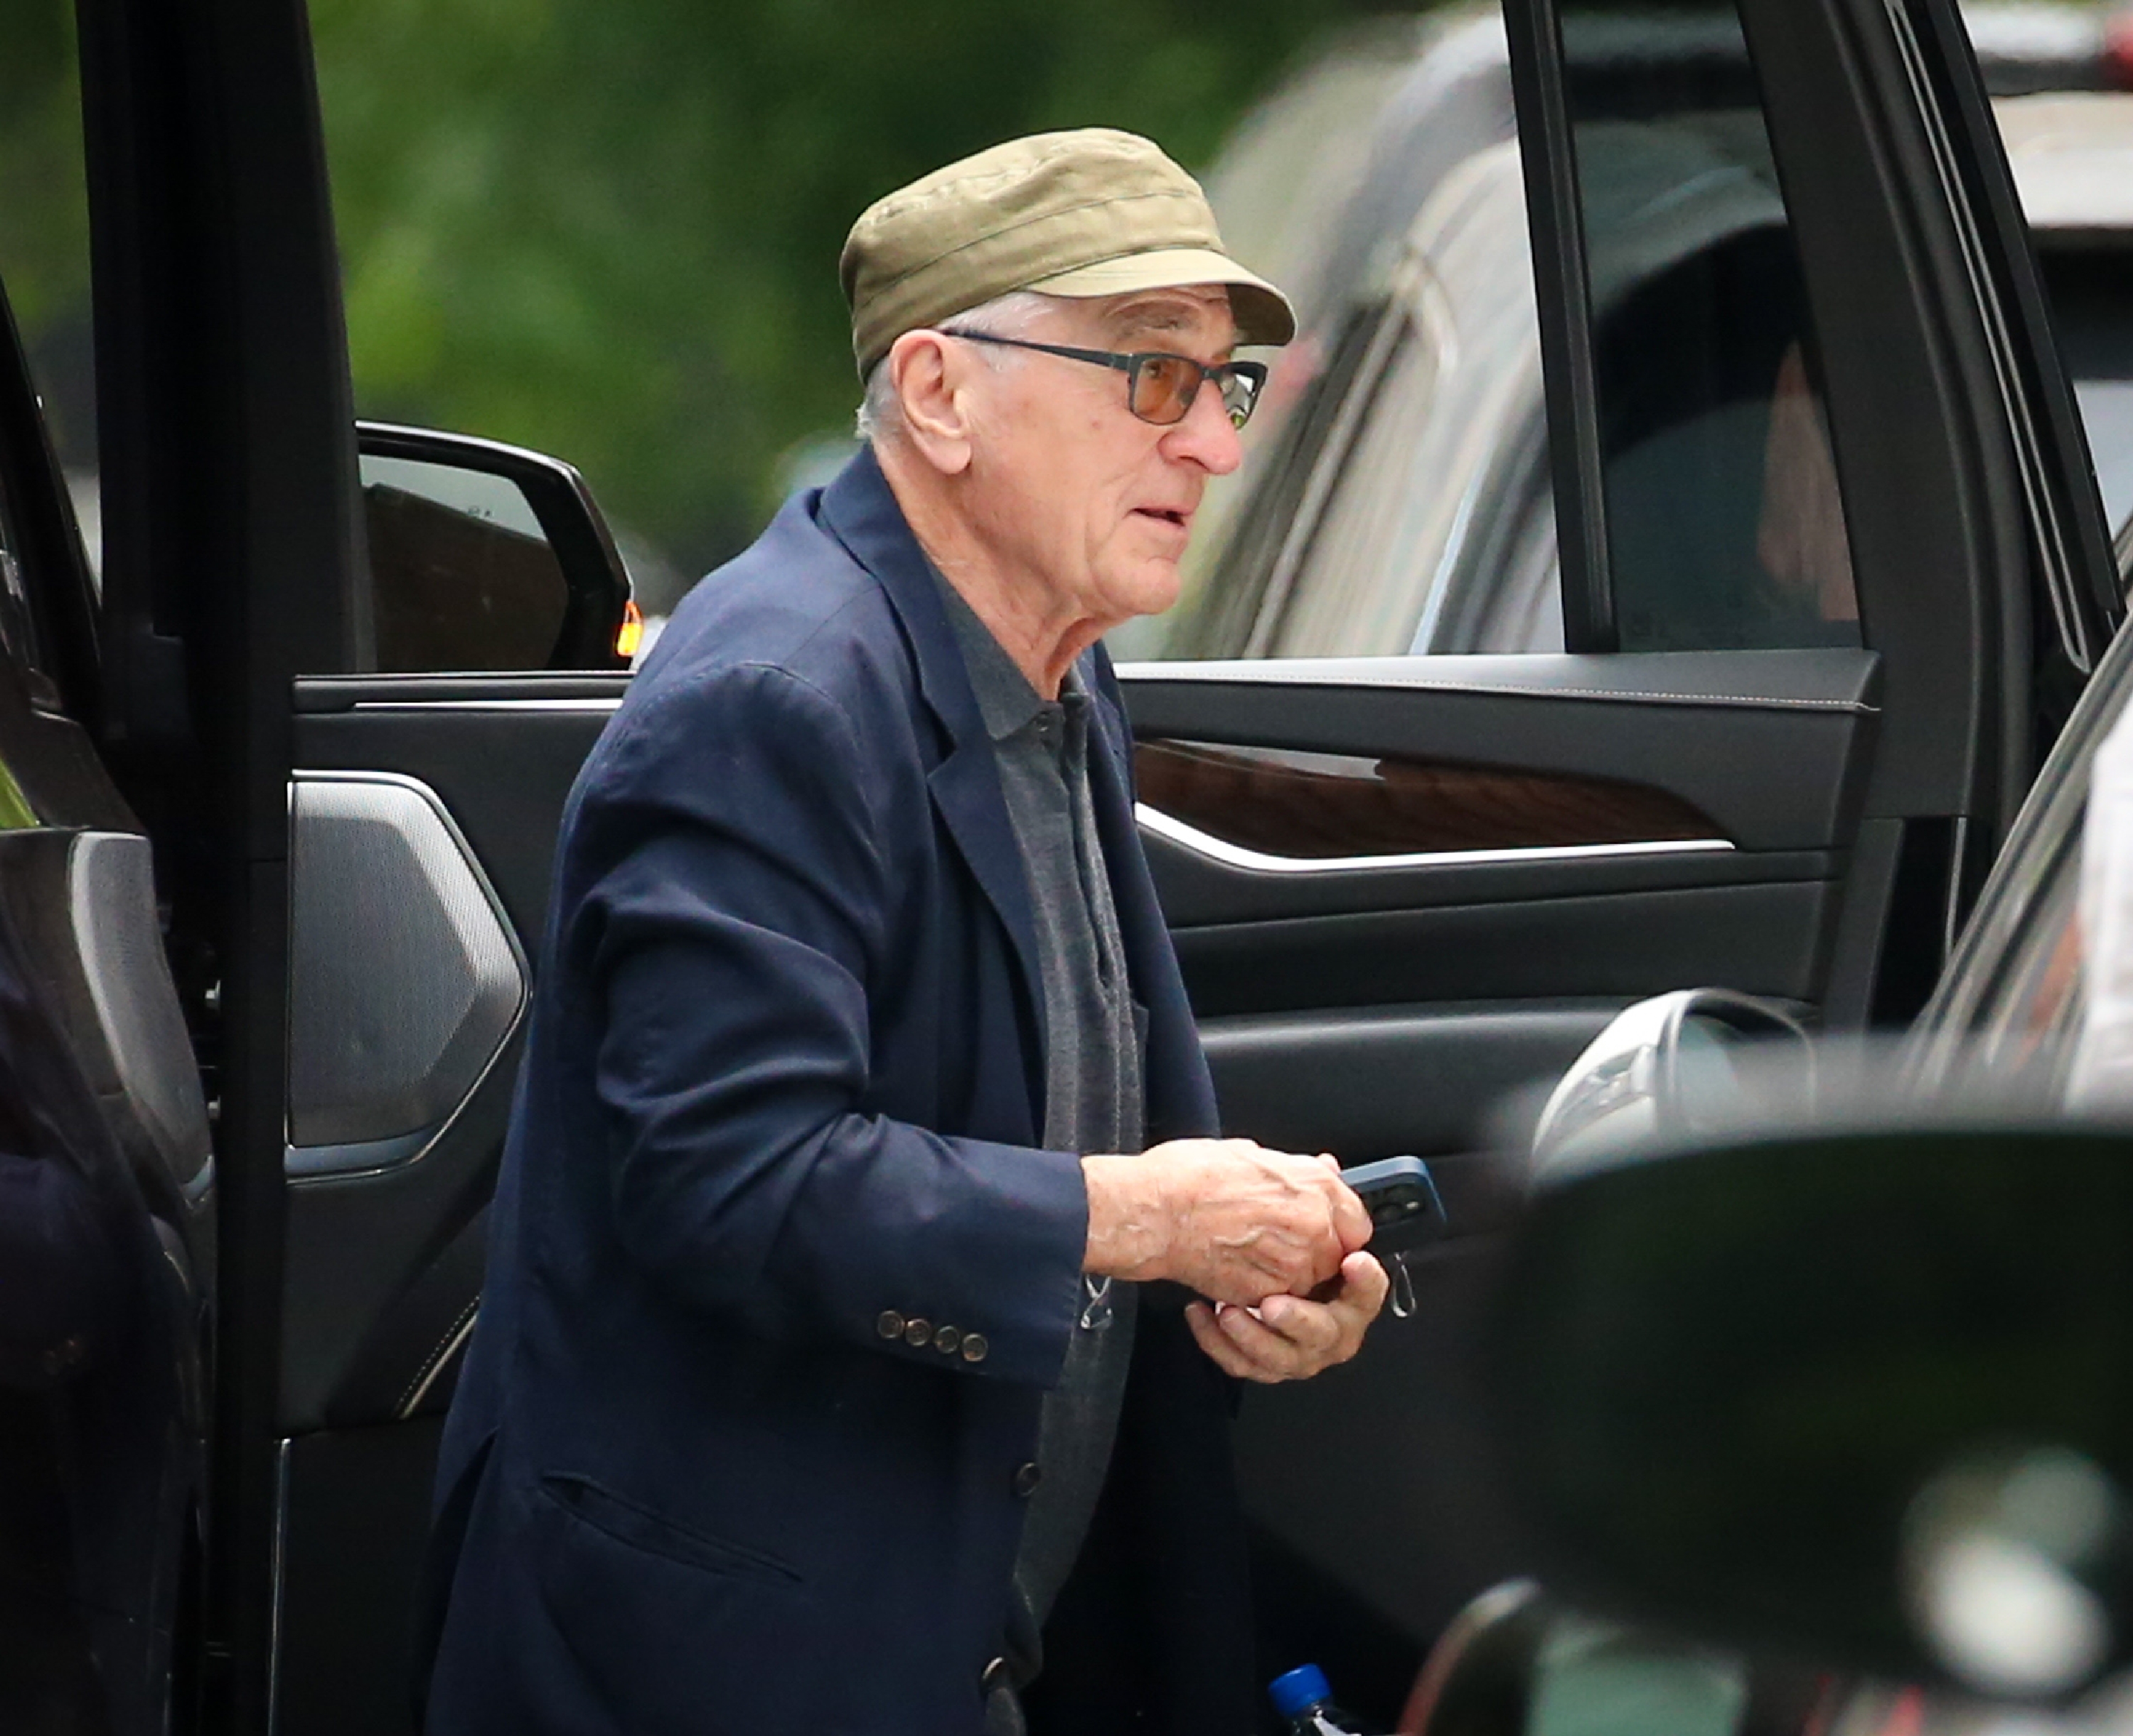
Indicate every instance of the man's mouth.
{"type": "Point", "coordinates": [1168, 515]}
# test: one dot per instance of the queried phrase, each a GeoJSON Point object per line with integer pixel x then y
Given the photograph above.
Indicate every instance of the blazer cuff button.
{"type": "Point", "coordinates": [917, 1330]}
{"type": "Point", "coordinates": [889, 1324]}
{"type": "Point", "coordinates": [947, 1338]}
{"type": "Point", "coordinates": [975, 1347]}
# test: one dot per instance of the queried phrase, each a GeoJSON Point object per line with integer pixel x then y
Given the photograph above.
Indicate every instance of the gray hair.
{"type": "Point", "coordinates": [1011, 315]}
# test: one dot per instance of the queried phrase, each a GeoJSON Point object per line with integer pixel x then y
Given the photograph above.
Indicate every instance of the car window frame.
{"type": "Point", "coordinates": [1562, 306]}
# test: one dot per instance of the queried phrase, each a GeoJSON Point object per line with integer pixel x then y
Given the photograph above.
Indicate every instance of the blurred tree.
{"type": "Point", "coordinates": [611, 231]}
{"type": "Point", "coordinates": [44, 214]}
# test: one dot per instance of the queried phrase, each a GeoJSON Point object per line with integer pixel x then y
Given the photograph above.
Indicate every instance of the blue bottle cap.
{"type": "Point", "coordinates": [1301, 1688]}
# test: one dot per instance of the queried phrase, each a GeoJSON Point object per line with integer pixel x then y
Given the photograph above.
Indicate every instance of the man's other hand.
{"type": "Point", "coordinates": [1287, 1337]}
{"type": "Point", "coordinates": [1227, 1218]}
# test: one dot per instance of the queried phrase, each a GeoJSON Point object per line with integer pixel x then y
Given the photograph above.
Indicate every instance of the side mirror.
{"type": "Point", "coordinates": [1668, 1069]}
{"type": "Point", "coordinates": [485, 556]}
{"type": "Point", "coordinates": [1863, 1398]}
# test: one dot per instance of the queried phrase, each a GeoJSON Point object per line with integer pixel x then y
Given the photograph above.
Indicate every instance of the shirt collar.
{"type": "Point", "coordinates": [1006, 701]}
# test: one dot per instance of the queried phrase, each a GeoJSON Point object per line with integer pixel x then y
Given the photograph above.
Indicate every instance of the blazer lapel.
{"type": "Point", "coordinates": [966, 792]}
{"type": "Point", "coordinates": [860, 512]}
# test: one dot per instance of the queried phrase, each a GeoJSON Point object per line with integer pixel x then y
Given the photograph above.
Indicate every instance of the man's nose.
{"type": "Point", "coordinates": [1206, 437]}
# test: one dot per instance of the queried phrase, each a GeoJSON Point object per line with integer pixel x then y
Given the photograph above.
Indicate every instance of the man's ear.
{"type": "Point", "coordinates": [930, 375]}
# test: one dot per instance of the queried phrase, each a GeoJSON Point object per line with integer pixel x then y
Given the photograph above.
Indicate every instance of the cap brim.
{"type": "Point", "coordinates": [1262, 313]}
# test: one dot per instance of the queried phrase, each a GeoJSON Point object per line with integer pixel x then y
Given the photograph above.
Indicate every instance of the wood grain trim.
{"type": "Point", "coordinates": [1283, 802]}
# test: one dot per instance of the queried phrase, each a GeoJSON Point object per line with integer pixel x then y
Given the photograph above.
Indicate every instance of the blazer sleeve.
{"type": "Point", "coordinates": [737, 906]}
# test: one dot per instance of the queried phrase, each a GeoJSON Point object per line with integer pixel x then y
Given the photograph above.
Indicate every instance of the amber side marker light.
{"type": "Point", "coordinates": [630, 634]}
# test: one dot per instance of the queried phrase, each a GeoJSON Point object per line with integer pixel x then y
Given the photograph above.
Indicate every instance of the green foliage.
{"type": "Point", "coordinates": [44, 201]}
{"type": "Point", "coordinates": [608, 228]}
{"type": "Point", "coordinates": [611, 231]}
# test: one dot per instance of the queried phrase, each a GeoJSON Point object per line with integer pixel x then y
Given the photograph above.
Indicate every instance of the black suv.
{"type": "Point", "coordinates": [274, 860]}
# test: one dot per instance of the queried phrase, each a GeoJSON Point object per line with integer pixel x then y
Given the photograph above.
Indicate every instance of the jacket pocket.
{"type": "Point", "coordinates": [638, 1527]}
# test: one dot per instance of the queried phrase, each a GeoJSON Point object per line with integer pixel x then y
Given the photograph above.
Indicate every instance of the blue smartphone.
{"type": "Point", "coordinates": [1402, 1200]}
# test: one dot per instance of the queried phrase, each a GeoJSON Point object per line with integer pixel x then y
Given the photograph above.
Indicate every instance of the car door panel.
{"type": "Point", "coordinates": [500, 751]}
{"type": "Point", "coordinates": [359, 1237]}
{"type": "Point", "coordinates": [357, 1243]}
{"type": "Point", "coordinates": [1448, 870]}
{"type": "Point", "coordinates": [407, 1365]}
{"type": "Point", "coordinates": [1201, 893]}
{"type": "Point", "coordinates": [1684, 723]}
{"type": "Point", "coordinates": [1385, 1081]}
{"type": "Point", "coordinates": [386, 1045]}
{"type": "Point", "coordinates": [385, 1234]}
{"type": "Point", "coordinates": [1762, 939]}
{"type": "Point", "coordinates": [355, 1508]}
{"type": "Point", "coordinates": [1289, 1007]}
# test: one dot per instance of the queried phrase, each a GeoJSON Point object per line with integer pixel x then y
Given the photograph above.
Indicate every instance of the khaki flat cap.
{"type": "Point", "coordinates": [1094, 212]}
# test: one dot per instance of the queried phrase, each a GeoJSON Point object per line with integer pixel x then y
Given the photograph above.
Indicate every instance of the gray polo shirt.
{"type": "Point", "coordinates": [1092, 1085]}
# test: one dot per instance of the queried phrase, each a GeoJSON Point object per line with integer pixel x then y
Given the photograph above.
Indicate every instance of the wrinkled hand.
{"type": "Point", "coordinates": [1288, 1337]}
{"type": "Point", "coordinates": [1227, 1218]}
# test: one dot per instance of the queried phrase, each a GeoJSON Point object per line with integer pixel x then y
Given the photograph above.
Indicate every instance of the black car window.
{"type": "Point", "coordinates": [48, 478]}
{"type": "Point", "coordinates": [1403, 505]}
{"type": "Point", "coordinates": [1725, 525]}
{"type": "Point", "coordinates": [44, 236]}
{"type": "Point", "coordinates": [1395, 494]}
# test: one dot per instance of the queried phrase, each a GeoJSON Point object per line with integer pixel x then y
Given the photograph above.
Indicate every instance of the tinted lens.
{"type": "Point", "coordinates": [1163, 387]}
{"type": "Point", "coordinates": [1240, 390]}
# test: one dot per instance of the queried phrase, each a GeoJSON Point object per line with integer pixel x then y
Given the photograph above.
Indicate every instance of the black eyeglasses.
{"type": "Point", "coordinates": [1160, 387]}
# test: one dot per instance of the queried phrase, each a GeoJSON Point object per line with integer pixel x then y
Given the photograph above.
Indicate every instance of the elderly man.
{"type": "Point", "coordinates": [832, 1375]}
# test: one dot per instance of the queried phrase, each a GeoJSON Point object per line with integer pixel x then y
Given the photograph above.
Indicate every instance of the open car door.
{"type": "Point", "coordinates": [352, 865]}
{"type": "Point", "coordinates": [1672, 574]}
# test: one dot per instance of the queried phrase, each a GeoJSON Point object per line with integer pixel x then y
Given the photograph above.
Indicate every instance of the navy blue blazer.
{"type": "Point", "coordinates": [707, 1469]}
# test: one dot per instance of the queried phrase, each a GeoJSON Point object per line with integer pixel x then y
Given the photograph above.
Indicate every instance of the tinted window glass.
{"type": "Point", "coordinates": [1725, 526]}
{"type": "Point", "coordinates": [1396, 497]}
{"type": "Point", "coordinates": [1404, 503]}
{"type": "Point", "coordinates": [44, 233]}
{"type": "Point", "coordinates": [47, 376]}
